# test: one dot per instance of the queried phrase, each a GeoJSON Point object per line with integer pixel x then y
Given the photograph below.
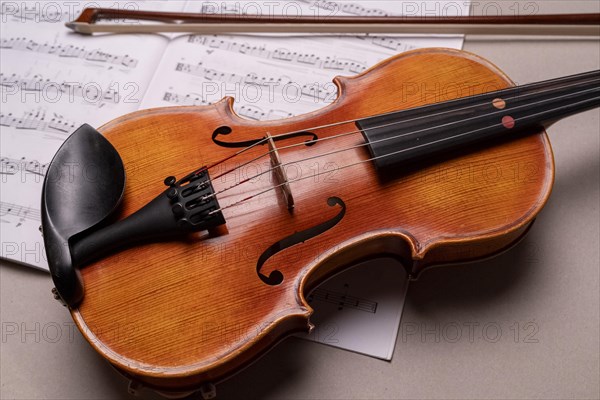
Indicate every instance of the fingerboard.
{"type": "Point", "coordinates": [410, 135]}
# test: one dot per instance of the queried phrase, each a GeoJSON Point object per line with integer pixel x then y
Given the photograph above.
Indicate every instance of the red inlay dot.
{"type": "Point", "coordinates": [508, 122]}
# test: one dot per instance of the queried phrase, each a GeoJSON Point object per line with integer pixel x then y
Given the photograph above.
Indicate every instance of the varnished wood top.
{"type": "Point", "coordinates": [176, 314]}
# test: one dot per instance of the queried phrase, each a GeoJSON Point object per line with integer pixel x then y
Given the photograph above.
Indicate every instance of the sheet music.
{"type": "Point", "coordinates": [360, 309]}
{"type": "Point", "coordinates": [52, 81]}
{"type": "Point", "coordinates": [274, 77]}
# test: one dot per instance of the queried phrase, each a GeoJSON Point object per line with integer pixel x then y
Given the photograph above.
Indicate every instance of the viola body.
{"type": "Point", "coordinates": [177, 314]}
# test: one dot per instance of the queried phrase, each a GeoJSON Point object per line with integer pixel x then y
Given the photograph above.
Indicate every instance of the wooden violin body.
{"type": "Point", "coordinates": [177, 314]}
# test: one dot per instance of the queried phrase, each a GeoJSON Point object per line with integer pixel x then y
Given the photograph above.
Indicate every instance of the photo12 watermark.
{"type": "Point", "coordinates": [470, 332]}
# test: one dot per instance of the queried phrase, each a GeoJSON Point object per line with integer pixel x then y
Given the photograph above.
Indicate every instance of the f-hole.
{"type": "Point", "coordinates": [225, 130]}
{"type": "Point", "coordinates": [276, 277]}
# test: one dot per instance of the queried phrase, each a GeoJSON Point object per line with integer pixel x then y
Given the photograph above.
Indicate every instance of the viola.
{"type": "Point", "coordinates": [190, 248]}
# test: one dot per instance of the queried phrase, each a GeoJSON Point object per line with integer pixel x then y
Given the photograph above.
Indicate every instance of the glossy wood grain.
{"type": "Point", "coordinates": [174, 315]}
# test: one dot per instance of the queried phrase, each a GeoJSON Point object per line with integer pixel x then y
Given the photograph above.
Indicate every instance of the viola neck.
{"type": "Point", "coordinates": [409, 135]}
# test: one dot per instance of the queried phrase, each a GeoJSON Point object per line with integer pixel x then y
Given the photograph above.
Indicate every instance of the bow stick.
{"type": "Point", "coordinates": [555, 24]}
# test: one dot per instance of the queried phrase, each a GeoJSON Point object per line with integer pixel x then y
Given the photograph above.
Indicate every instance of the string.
{"type": "Point", "coordinates": [388, 155]}
{"type": "Point", "coordinates": [371, 128]}
{"type": "Point", "coordinates": [391, 138]}
{"type": "Point", "coordinates": [488, 94]}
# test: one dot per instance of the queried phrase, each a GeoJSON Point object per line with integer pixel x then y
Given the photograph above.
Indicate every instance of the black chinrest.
{"type": "Point", "coordinates": [83, 186]}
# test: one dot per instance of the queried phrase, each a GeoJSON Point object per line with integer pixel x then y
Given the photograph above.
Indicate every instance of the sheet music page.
{"type": "Point", "coordinates": [273, 77]}
{"type": "Point", "coordinates": [52, 81]}
{"type": "Point", "coordinates": [360, 309]}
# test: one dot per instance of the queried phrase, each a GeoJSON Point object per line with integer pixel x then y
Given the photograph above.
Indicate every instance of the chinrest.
{"type": "Point", "coordinates": [83, 186]}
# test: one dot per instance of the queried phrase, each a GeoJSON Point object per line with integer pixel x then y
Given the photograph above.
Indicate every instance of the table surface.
{"type": "Point", "coordinates": [522, 325]}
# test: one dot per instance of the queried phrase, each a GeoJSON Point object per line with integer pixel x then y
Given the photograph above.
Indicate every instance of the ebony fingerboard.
{"type": "Point", "coordinates": [419, 133]}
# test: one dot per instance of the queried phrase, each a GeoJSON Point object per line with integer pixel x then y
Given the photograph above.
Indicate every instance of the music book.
{"type": "Point", "coordinates": [52, 81]}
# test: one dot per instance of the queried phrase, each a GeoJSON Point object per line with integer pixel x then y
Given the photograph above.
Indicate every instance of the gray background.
{"type": "Point", "coordinates": [523, 325]}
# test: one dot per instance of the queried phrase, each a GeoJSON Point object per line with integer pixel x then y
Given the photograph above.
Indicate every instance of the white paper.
{"type": "Point", "coordinates": [52, 81]}
{"type": "Point", "coordinates": [274, 77]}
{"type": "Point", "coordinates": [360, 309]}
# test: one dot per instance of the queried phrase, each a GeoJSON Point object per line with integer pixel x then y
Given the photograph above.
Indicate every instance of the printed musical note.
{"type": "Point", "coordinates": [281, 54]}
{"type": "Point", "coordinates": [258, 114]}
{"type": "Point", "coordinates": [277, 114]}
{"type": "Point", "coordinates": [391, 43]}
{"type": "Point", "coordinates": [21, 212]}
{"type": "Point", "coordinates": [189, 99]}
{"type": "Point", "coordinates": [37, 120]}
{"type": "Point", "coordinates": [277, 85]}
{"type": "Point", "coordinates": [10, 166]}
{"type": "Point", "coordinates": [214, 75]}
{"type": "Point", "coordinates": [350, 8]}
{"type": "Point", "coordinates": [91, 92]}
{"type": "Point", "coordinates": [68, 51]}
{"type": "Point", "coordinates": [245, 110]}
{"type": "Point", "coordinates": [325, 93]}
{"type": "Point", "coordinates": [308, 7]}
{"type": "Point", "coordinates": [360, 308]}
{"type": "Point", "coordinates": [7, 167]}
{"type": "Point", "coordinates": [343, 300]}
{"type": "Point", "coordinates": [223, 8]}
